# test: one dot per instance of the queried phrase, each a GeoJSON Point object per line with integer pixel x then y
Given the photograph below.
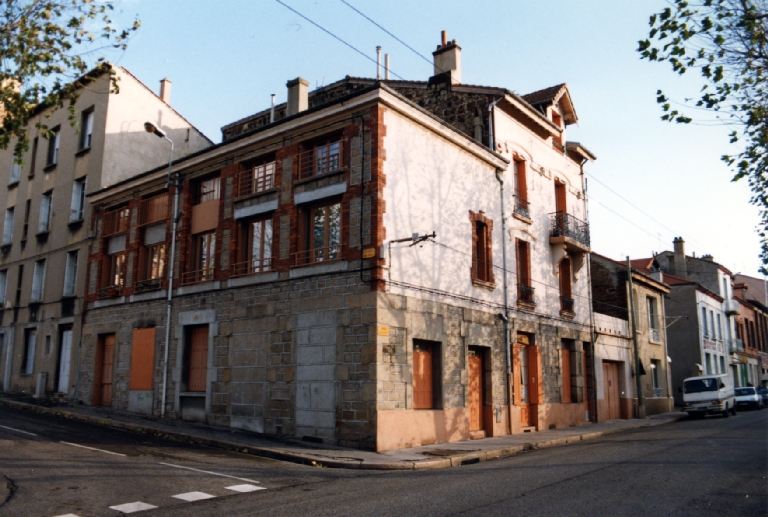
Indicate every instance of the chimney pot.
{"type": "Point", "coordinates": [298, 96]}
{"type": "Point", "coordinates": [444, 37]}
{"type": "Point", "coordinates": [165, 90]}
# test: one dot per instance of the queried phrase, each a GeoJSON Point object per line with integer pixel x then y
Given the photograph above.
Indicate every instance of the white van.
{"type": "Point", "coordinates": [709, 394]}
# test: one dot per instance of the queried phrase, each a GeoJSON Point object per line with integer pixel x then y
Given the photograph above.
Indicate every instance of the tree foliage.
{"type": "Point", "coordinates": [49, 50]}
{"type": "Point", "coordinates": [726, 41]}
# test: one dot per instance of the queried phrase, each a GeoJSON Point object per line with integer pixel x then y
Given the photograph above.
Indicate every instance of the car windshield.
{"type": "Point", "coordinates": [745, 391]}
{"type": "Point", "coordinates": [699, 385]}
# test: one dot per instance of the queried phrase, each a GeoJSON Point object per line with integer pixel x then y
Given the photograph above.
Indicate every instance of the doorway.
{"type": "Point", "coordinates": [65, 355]}
{"type": "Point", "coordinates": [611, 386]}
{"type": "Point", "coordinates": [527, 383]}
{"type": "Point", "coordinates": [197, 359]}
{"type": "Point", "coordinates": [476, 388]}
{"type": "Point", "coordinates": [102, 384]}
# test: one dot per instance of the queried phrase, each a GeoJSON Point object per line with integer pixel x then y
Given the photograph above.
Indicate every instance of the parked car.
{"type": "Point", "coordinates": [763, 391]}
{"type": "Point", "coordinates": [709, 394]}
{"type": "Point", "coordinates": [749, 397]}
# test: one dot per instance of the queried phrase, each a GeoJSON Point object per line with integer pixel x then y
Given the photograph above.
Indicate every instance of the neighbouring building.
{"type": "Point", "coordinates": [46, 219]}
{"type": "Point", "coordinates": [342, 266]}
{"type": "Point", "coordinates": [615, 366]}
{"type": "Point", "coordinates": [752, 290]}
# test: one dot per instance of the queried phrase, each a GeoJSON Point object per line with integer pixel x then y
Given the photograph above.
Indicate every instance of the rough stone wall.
{"type": "Point", "coordinates": [609, 292]}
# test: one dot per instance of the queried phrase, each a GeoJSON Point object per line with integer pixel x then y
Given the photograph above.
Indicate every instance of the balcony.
{"type": "Point", "coordinates": [323, 159]}
{"type": "Point", "coordinates": [735, 345]}
{"type": "Point", "coordinates": [525, 296]}
{"type": "Point", "coordinates": [731, 307]}
{"type": "Point", "coordinates": [255, 180]}
{"type": "Point", "coordinates": [251, 267]}
{"type": "Point", "coordinates": [151, 284]}
{"type": "Point", "coordinates": [654, 335]}
{"type": "Point", "coordinates": [566, 229]}
{"type": "Point", "coordinates": [521, 207]}
{"type": "Point", "coordinates": [194, 277]}
{"type": "Point", "coordinates": [116, 221]}
{"type": "Point", "coordinates": [315, 255]}
{"type": "Point", "coordinates": [154, 209]}
{"type": "Point", "coordinates": [111, 291]}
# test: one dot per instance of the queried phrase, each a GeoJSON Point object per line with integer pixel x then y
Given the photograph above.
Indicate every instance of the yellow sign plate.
{"type": "Point", "coordinates": [369, 253]}
{"type": "Point", "coordinates": [383, 330]}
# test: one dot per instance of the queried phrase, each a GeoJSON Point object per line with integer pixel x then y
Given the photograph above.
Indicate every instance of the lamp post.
{"type": "Point", "coordinates": [151, 128]}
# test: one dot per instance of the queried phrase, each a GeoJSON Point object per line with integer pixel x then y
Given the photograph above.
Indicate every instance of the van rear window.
{"type": "Point", "coordinates": [700, 385]}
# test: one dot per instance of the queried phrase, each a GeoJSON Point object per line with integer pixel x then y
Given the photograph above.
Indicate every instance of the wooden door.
{"type": "Point", "coordinates": [522, 386]}
{"type": "Point", "coordinates": [611, 383]}
{"type": "Point", "coordinates": [102, 389]}
{"type": "Point", "coordinates": [65, 352]}
{"type": "Point", "coordinates": [475, 364]}
{"type": "Point", "coordinates": [198, 358]}
{"type": "Point", "coordinates": [422, 376]}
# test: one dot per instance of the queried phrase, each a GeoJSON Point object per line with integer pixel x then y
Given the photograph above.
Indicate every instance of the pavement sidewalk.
{"type": "Point", "coordinates": [436, 456]}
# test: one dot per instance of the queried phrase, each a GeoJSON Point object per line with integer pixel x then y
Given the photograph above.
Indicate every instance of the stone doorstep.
{"type": "Point", "coordinates": [461, 457]}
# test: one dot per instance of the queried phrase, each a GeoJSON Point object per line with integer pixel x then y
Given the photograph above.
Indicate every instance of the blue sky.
{"type": "Point", "coordinates": [225, 59]}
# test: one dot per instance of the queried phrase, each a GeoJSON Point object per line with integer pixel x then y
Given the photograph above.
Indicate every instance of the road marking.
{"type": "Point", "coordinates": [207, 472]}
{"type": "Point", "coordinates": [138, 506]}
{"type": "Point", "coordinates": [93, 449]}
{"type": "Point", "coordinates": [245, 488]}
{"type": "Point", "coordinates": [193, 496]}
{"type": "Point", "coordinates": [19, 431]}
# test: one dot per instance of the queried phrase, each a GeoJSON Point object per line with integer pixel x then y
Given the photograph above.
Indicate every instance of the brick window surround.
{"type": "Point", "coordinates": [482, 254]}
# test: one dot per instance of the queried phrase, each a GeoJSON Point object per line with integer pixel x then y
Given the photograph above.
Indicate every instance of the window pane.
{"type": "Point", "coordinates": [156, 261]}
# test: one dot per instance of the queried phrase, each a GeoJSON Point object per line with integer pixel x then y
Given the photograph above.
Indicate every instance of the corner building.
{"type": "Point", "coordinates": [340, 269]}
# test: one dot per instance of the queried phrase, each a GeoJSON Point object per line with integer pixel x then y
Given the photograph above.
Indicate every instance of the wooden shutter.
{"type": "Point", "coordinates": [521, 182]}
{"type": "Point", "coordinates": [566, 374]}
{"type": "Point", "coordinates": [142, 359]}
{"type": "Point", "coordinates": [422, 377]}
{"type": "Point", "coordinates": [560, 197]}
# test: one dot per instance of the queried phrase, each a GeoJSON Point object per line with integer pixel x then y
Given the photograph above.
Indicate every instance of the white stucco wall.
{"type": "Point", "coordinates": [716, 346]}
{"type": "Point", "coordinates": [128, 148]}
{"type": "Point", "coordinates": [613, 344]}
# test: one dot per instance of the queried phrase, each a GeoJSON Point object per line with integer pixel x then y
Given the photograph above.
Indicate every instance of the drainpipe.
{"type": "Point", "coordinates": [491, 123]}
{"type": "Point", "coordinates": [592, 333]}
{"type": "Point", "coordinates": [177, 185]}
{"type": "Point", "coordinates": [507, 340]}
{"type": "Point", "coordinates": [638, 381]}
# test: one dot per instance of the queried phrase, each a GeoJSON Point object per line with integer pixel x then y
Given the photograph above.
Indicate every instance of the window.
{"type": "Point", "coordinates": [47, 347]}
{"type": "Point", "coordinates": [656, 378]}
{"type": "Point", "coordinates": [19, 280]}
{"type": "Point", "coordinates": [566, 294]}
{"type": "Point", "coordinates": [320, 157]}
{"type": "Point", "coordinates": [116, 270]}
{"type": "Point", "coordinates": [25, 228]}
{"type": "Point", "coordinates": [86, 128]}
{"type": "Point", "coordinates": [15, 173]}
{"type": "Point", "coordinates": [523, 259]}
{"type": "Point", "coordinates": [654, 332]}
{"type": "Point", "coordinates": [482, 256]}
{"type": "Point", "coordinates": [70, 274]}
{"type": "Point", "coordinates": [255, 247]}
{"type": "Point", "coordinates": [44, 224]}
{"type": "Point", "coordinates": [78, 200]}
{"type": "Point", "coordinates": [38, 281]}
{"type": "Point", "coordinates": [203, 259]}
{"type": "Point", "coordinates": [258, 177]}
{"type": "Point", "coordinates": [719, 329]}
{"type": "Point", "coordinates": [426, 375]}
{"type": "Point", "coordinates": [708, 357]}
{"type": "Point", "coordinates": [722, 364]}
{"type": "Point", "coordinates": [320, 234]}
{"type": "Point", "coordinates": [206, 190]}
{"type": "Point", "coordinates": [33, 159]}
{"type": "Point", "coordinates": [521, 189]}
{"type": "Point", "coordinates": [8, 227]}
{"type": "Point", "coordinates": [704, 322]}
{"type": "Point", "coordinates": [28, 361]}
{"type": "Point", "coordinates": [154, 265]}
{"type": "Point", "coordinates": [3, 286]}
{"type": "Point", "coordinates": [725, 288]}
{"type": "Point", "coordinates": [53, 146]}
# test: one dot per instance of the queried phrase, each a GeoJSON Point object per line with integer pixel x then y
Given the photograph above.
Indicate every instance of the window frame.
{"type": "Point", "coordinates": [3, 287]}
{"type": "Point", "coordinates": [70, 274]}
{"type": "Point", "coordinates": [46, 210]}
{"type": "Point", "coordinates": [246, 262]}
{"type": "Point", "coordinates": [77, 204]}
{"type": "Point", "coordinates": [38, 281]}
{"type": "Point", "coordinates": [148, 271]}
{"type": "Point", "coordinates": [481, 272]}
{"type": "Point", "coordinates": [201, 194]}
{"type": "Point", "coordinates": [54, 144]}
{"type": "Point", "coordinates": [28, 359]}
{"type": "Point", "coordinates": [307, 252]}
{"type": "Point", "coordinates": [523, 272]}
{"type": "Point", "coordinates": [86, 129]}
{"type": "Point", "coordinates": [8, 226]}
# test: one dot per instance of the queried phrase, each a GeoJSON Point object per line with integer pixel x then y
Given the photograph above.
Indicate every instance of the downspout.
{"type": "Point", "coordinates": [593, 337]}
{"type": "Point", "coordinates": [362, 190]}
{"type": "Point", "coordinates": [491, 124]}
{"type": "Point", "coordinates": [507, 341]}
{"type": "Point", "coordinates": [177, 188]}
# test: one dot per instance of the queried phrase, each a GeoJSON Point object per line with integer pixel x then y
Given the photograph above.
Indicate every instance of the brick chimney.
{"type": "Point", "coordinates": [447, 59]}
{"type": "Point", "coordinates": [165, 90]}
{"type": "Point", "coordinates": [298, 96]}
{"type": "Point", "coordinates": [681, 269]}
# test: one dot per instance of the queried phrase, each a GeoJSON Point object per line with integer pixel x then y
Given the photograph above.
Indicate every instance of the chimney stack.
{"type": "Point", "coordinates": [165, 90]}
{"type": "Point", "coordinates": [378, 63]}
{"type": "Point", "coordinates": [447, 59]}
{"type": "Point", "coordinates": [298, 96]}
{"type": "Point", "coordinates": [681, 269]}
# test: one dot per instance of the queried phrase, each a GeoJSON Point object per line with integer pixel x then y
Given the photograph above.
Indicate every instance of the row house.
{"type": "Point", "coordinates": [752, 290]}
{"type": "Point", "coordinates": [45, 227]}
{"type": "Point", "coordinates": [376, 264]}
{"type": "Point", "coordinates": [749, 331]}
{"type": "Point", "coordinates": [616, 370]}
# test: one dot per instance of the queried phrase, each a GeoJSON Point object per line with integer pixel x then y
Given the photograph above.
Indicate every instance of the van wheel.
{"type": "Point", "coordinates": [733, 410]}
{"type": "Point", "coordinates": [725, 413]}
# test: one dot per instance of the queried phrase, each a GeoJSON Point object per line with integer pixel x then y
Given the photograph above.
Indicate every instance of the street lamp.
{"type": "Point", "coordinates": [151, 128]}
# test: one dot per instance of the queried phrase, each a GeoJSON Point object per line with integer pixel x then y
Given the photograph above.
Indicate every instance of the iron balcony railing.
{"type": "Point", "coordinates": [250, 267]}
{"type": "Point", "coordinates": [115, 222]}
{"type": "Point", "coordinates": [110, 291]}
{"type": "Point", "coordinates": [151, 284]}
{"type": "Point", "coordinates": [655, 335]}
{"type": "Point", "coordinates": [521, 206]}
{"type": "Point", "coordinates": [317, 255]}
{"type": "Point", "coordinates": [193, 277]}
{"type": "Point", "coordinates": [321, 159]}
{"type": "Point", "coordinates": [566, 304]}
{"type": "Point", "coordinates": [525, 293]}
{"type": "Point", "coordinates": [565, 225]}
{"type": "Point", "coordinates": [253, 180]}
{"type": "Point", "coordinates": [154, 209]}
{"type": "Point", "coordinates": [735, 345]}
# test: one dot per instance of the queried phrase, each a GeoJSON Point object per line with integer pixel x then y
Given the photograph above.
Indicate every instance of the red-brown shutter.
{"type": "Point", "coordinates": [142, 359]}
{"type": "Point", "coordinates": [566, 374]}
{"type": "Point", "coordinates": [422, 378]}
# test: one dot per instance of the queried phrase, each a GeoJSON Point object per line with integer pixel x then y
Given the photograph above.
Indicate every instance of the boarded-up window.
{"type": "Point", "coordinates": [142, 359]}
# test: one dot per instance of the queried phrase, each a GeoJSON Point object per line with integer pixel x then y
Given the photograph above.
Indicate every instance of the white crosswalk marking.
{"type": "Point", "coordinates": [245, 488]}
{"type": "Point", "coordinates": [137, 506]}
{"type": "Point", "coordinates": [194, 496]}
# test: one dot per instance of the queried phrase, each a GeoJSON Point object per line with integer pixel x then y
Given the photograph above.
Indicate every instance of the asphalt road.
{"type": "Point", "coordinates": [704, 467]}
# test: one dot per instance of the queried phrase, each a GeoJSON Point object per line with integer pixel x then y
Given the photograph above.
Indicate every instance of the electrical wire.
{"type": "Point", "coordinates": [333, 35]}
